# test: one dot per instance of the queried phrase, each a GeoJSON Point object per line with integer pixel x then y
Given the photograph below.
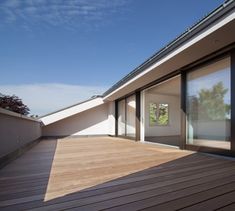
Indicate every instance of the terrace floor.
{"type": "Point", "coordinates": [115, 174]}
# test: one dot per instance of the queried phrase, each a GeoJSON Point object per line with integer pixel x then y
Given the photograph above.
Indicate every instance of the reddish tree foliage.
{"type": "Point", "coordinates": [13, 103]}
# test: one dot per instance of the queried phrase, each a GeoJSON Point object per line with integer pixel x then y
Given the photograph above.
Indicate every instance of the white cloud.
{"type": "Point", "coordinates": [46, 98]}
{"type": "Point", "coordinates": [56, 12]}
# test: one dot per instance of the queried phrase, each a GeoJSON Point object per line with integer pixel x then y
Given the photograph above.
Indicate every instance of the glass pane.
{"type": "Point", "coordinates": [130, 116]}
{"type": "Point", "coordinates": [209, 105]}
{"type": "Point", "coordinates": [152, 114]}
{"type": "Point", "coordinates": [163, 115]}
{"type": "Point", "coordinates": [121, 117]}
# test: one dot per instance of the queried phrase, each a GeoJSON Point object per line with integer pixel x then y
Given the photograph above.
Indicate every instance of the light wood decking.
{"type": "Point", "coordinates": [115, 174]}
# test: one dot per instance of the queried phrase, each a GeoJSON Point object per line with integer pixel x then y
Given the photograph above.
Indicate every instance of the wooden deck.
{"type": "Point", "coordinates": [115, 174]}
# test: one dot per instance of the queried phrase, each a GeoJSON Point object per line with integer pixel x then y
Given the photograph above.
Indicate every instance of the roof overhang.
{"type": "Point", "coordinates": [217, 35]}
{"type": "Point", "coordinates": [70, 111]}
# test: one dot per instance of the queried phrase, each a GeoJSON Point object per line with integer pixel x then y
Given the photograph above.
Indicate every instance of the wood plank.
{"type": "Point", "coordinates": [189, 162]}
{"type": "Point", "coordinates": [153, 183]}
{"type": "Point", "coordinates": [214, 203]}
{"type": "Point", "coordinates": [154, 203]}
{"type": "Point", "coordinates": [105, 172]}
{"type": "Point", "coordinates": [210, 200]}
{"type": "Point", "coordinates": [229, 207]}
{"type": "Point", "coordinates": [102, 201]}
{"type": "Point", "coordinates": [140, 176]}
{"type": "Point", "coordinates": [36, 177]}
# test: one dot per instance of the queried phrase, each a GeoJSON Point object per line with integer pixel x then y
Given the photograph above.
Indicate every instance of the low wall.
{"type": "Point", "coordinates": [16, 131]}
{"type": "Point", "coordinates": [217, 129]}
{"type": "Point", "coordinates": [94, 121]}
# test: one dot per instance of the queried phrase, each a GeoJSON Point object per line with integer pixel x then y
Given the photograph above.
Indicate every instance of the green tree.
{"type": "Point", "coordinates": [210, 103]}
{"type": "Point", "coordinates": [152, 114]}
{"type": "Point", "coordinates": [163, 118]}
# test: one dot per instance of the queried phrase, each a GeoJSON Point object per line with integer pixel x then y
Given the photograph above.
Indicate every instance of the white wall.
{"type": "Point", "coordinates": [72, 110]}
{"type": "Point", "coordinates": [111, 118]}
{"type": "Point", "coordinates": [94, 121]}
{"type": "Point", "coordinates": [16, 131]}
{"type": "Point", "coordinates": [131, 116]}
{"type": "Point", "coordinates": [173, 128]}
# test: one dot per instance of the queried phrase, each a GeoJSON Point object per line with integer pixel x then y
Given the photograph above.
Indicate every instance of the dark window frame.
{"type": "Point", "coordinates": [137, 116]}
{"type": "Point", "coordinates": [207, 148]}
{"type": "Point", "coordinates": [221, 53]}
{"type": "Point", "coordinates": [227, 152]}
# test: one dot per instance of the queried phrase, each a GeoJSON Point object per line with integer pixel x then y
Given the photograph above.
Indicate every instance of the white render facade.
{"type": "Point", "coordinates": [97, 120]}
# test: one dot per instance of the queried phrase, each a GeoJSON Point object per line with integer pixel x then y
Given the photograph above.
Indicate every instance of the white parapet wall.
{"type": "Point", "coordinates": [16, 131]}
{"type": "Point", "coordinates": [70, 111]}
{"type": "Point", "coordinates": [90, 118]}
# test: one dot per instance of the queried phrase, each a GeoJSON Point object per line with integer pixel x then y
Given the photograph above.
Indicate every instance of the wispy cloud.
{"type": "Point", "coordinates": [71, 13]}
{"type": "Point", "coordinates": [45, 98]}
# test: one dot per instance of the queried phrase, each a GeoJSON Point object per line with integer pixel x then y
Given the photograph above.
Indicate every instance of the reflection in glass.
{"type": "Point", "coordinates": [209, 105]}
{"type": "Point", "coordinates": [121, 118]}
{"type": "Point", "coordinates": [130, 116]}
{"type": "Point", "coordinates": [126, 116]}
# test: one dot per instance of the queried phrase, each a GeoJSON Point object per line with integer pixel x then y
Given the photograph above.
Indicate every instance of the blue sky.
{"type": "Point", "coordinates": [55, 52]}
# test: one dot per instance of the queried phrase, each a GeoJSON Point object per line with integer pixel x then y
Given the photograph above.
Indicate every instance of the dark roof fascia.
{"type": "Point", "coordinates": [85, 101]}
{"type": "Point", "coordinates": [209, 19]}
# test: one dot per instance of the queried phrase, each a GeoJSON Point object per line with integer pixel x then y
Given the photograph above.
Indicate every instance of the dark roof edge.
{"type": "Point", "coordinates": [62, 109]}
{"type": "Point", "coordinates": [189, 33]}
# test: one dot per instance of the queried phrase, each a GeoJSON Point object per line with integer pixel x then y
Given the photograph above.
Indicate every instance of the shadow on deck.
{"type": "Point", "coordinates": [115, 174]}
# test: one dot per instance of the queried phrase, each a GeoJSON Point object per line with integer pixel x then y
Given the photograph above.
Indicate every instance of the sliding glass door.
{"type": "Point", "coordinates": [208, 105]}
{"type": "Point", "coordinates": [122, 118]}
{"type": "Point", "coordinates": [130, 116]}
{"type": "Point", "coordinates": [162, 114]}
{"type": "Point", "coordinates": [127, 117]}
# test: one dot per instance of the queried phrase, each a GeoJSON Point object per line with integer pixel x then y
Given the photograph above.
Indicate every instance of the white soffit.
{"type": "Point", "coordinates": [70, 111]}
{"type": "Point", "coordinates": [227, 19]}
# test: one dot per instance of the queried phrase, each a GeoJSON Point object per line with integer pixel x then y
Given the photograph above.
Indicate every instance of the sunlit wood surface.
{"type": "Point", "coordinates": [115, 174]}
